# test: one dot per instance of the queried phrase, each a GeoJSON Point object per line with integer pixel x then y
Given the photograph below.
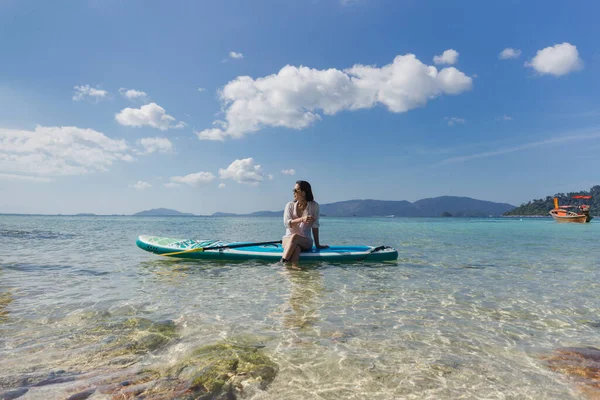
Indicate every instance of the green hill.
{"type": "Point", "coordinates": [542, 206]}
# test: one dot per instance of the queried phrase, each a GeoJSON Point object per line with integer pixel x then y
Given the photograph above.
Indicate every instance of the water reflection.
{"type": "Point", "coordinates": [169, 271]}
{"type": "Point", "coordinates": [6, 298]}
{"type": "Point", "coordinates": [306, 292]}
{"type": "Point", "coordinates": [176, 271]}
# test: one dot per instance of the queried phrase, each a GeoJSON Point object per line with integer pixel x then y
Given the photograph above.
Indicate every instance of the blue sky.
{"type": "Point", "coordinates": [120, 106]}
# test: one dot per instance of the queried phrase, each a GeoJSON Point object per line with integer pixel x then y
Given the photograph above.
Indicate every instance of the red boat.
{"type": "Point", "coordinates": [581, 215]}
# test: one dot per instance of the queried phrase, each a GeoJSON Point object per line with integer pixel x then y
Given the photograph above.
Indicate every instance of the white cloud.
{"type": "Point", "coordinates": [141, 185]}
{"type": "Point", "coordinates": [235, 55]}
{"type": "Point", "coordinates": [212, 134]}
{"type": "Point", "coordinates": [294, 96]}
{"type": "Point", "coordinates": [270, 177]}
{"type": "Point", "coordinates": [156, 144]}
{"type": "Point", "coordinates": [290, 171]}
{"type": "Point", "coordinates": [172, 185]}
{"type": "Point", "coordinates": [151, 115]}
{"type": "Point", "coordinates": [454, 120]}
{"type": "Point", "coordinates": [505, 118]}
{"type": "Point", "coordinates": [243, 171]}
{"type": "Point", "coordinates": [221, 185]}
{"type": "Point", "coordinates": [201, 89]}
{"type": "Point", "coordinates": [57, 151]}
{"type": "Point", "coordinates": [556, 60]}
{"type": "Point", "coordinates": [509, 53]}
{"type": "Point", "coordinates": [132, 94]}
{"type": "Point", "coordinates": [449, 56]}
{"type": "Point", "coordinates": [85, 91]}
{"type": "Point", "coordinates": [194, 179]}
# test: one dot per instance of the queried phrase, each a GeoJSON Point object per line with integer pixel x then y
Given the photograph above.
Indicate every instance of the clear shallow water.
{"type": "Point", "coordinates": [468, 311]}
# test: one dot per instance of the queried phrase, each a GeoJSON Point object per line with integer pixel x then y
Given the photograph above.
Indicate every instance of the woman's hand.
{"type": "Point", "coordinates": [308, 219]}
{"type": "Point", "coordinates": [322, 246]}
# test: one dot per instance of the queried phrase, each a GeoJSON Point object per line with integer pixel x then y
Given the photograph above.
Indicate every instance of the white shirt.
{"type": "Point", "coordinates": [291, 212]}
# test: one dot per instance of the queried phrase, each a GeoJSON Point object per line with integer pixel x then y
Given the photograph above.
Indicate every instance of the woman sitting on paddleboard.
{"type": "Point", "coordinates": [300, 217]}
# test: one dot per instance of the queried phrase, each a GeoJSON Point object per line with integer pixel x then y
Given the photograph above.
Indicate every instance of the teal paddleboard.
{"type": "Point", "coordinates": [190, 248]}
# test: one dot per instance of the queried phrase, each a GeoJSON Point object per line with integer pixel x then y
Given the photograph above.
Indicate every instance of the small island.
{"type": "Point", "coordinates": [162, 212]}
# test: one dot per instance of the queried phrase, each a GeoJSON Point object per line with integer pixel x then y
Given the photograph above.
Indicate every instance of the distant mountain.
{"type": "Point", "coordinates": [460, 207]}
{"type": "Point", "coordinates": [161, 212]}
{"type": "Point", "coordinates": [542, 206]}
{"type": "Point", "coordinates": [434, 207]}
{"type": "Point", "coordinates": [267, 213]}
{"type": "Point", "coordinates": [254, 214]}
{"type": "Point", "coordinates": [368, 208]}
{"type": "Point", "coordinates": [222, 214]}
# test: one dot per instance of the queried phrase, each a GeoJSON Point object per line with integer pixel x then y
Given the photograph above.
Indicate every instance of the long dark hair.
{"type": "Point", "coordinates": [305, 187]}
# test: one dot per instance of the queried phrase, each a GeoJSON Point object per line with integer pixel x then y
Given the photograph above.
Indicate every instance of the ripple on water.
{"type": "Point", "coordinates": [35, 234]}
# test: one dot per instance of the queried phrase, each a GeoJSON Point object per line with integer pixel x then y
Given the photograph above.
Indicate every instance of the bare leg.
{"type": "Point", "coordinates": [294, 245]}
{"type": "Point", "coordinates": [289, 246]}
{"type": "Point", "coordinates": [295, 258]}
{"type": "Point", "coordinates": [296, 255]}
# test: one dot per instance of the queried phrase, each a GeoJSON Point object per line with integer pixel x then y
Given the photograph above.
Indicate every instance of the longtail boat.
{"type": "Point", "coordinates": [581, 215]}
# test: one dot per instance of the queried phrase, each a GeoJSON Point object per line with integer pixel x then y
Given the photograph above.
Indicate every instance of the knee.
{"type": "Point", "coordinates": [294, 237]}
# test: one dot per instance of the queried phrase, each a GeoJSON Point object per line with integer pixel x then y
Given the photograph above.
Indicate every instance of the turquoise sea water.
{"type": "Point", "coordinates": [469, 310]}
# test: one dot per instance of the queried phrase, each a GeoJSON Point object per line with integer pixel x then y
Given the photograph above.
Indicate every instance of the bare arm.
{"type": "Point", "coordinates": [316, 224]}
{"type": "Point", "coordinates": [315, 232]}
{"type": "Point", "coordinates": [287, 217]}
{"type": "Point", "coordinates": [289, 221]}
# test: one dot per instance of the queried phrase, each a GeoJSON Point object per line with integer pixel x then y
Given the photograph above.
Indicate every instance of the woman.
{"type": "Point", "coordinates": [300, 217]}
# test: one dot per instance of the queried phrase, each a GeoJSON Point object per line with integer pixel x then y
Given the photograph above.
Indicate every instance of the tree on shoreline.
{"type": "Point", "coordinates": [542, 206]}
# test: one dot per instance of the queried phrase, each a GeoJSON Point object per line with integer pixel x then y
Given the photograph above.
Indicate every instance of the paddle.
{"type": "Point", "coordinates": [373, 250]}
{"type": "Point", "coordinates": [228, 246]}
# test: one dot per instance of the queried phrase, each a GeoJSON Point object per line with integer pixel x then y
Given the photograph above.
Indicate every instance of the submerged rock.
{"type": "Point", "coordinates": [580, 363]}
{"type": "Point", "coordinates": [13, 394]}
{"type": "Point", "coordinates": [226, 369]}
{"type": "Point", "coordinates": [36, 379]}
{"type": "Point", "coordinates": [134, 336]}
{"type": "Point", "coordinates": [221, 371]}
{"type": "Point", "coordinates": [82, 395]}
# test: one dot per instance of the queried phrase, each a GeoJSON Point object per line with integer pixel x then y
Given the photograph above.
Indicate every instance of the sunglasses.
{"type": "Point", "coordinates": [296, 191]}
